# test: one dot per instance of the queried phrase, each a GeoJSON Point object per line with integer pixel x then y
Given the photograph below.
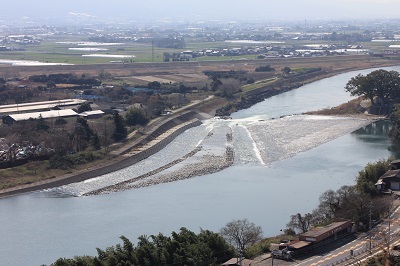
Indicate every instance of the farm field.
{"type": "Point", "coordinates": [78, 51]}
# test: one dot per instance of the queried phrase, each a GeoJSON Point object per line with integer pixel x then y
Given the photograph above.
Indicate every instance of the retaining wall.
{"type": "Point", "coordinates": [129, 160]}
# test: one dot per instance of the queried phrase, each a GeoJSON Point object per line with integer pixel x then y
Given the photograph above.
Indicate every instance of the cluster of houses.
{"type": "Point", "coordinates": [19, 40]}
{"type": "Point", "coordinates": [263, 52]}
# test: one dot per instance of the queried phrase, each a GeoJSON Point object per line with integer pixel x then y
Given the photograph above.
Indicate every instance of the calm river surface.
{"type": "Point", "coordinates": [37, 229]}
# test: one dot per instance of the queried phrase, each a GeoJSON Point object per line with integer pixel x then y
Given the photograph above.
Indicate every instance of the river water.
{"type": "Point", "coordinates": [38, 228]}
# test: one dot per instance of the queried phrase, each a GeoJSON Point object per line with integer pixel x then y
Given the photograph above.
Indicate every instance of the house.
{"type": "Point", "coordinates": [331, 231]}
{"type": "Point", "coordinates": [395, 165]}
{"type": "Point", "coordinates": [319, 236]}
{"type": "Point", "coordinates": [391, 179]}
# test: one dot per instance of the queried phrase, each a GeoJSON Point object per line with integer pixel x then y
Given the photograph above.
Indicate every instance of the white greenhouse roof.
{"type": "Point", "coordinates": [45, 114]}
{"type": "Point", "coordinates": [94, 112]}
{"type": "Point", "coordinates": [24, 107]}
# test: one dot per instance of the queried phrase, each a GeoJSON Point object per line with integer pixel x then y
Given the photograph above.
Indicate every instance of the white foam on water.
{"type": "Point", "coordinates": [255, 148]}
{"type": "Point", "coordinates": [255, 141]}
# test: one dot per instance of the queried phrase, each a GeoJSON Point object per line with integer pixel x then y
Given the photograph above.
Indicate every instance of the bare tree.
{"type": "Point", "coordinates": [329, 203]}
{"type": "Point", "coordinates": [241, 233]}
{"type": "Point", "coordinates": [300, 223]}
{"type": "Point", "coordinates": [229, 87]}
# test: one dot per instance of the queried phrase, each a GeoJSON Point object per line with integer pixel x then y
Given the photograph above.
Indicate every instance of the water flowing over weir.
{"type": "Point", "coordinates": [47, 227]}
{"type": "Point", "coordinates": [216, 145]}
{"type": "Point", "coordinates": [257, 138]}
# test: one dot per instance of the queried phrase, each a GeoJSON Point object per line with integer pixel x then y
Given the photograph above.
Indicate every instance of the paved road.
{"type": "Point", "coordinates": [384, 235]}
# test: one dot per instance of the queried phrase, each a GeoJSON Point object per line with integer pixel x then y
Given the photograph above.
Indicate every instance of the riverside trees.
{"type": "Point", "coordinates": [348, 202]}
{"type": "Point", "coordinates": [182, 248]}
{"type": "Point", "coordinates": [379, 83]}
{"type": "Point", "coordinates": [241, 233]}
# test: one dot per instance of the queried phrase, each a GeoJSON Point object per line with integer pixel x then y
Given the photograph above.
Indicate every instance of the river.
{"type": "Point", "coordinates": [38, 228]}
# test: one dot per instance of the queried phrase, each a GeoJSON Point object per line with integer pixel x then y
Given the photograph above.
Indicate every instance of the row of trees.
{"type": "Point", "coordinates": [394, 133]}
{"type": "Point", "coordinates": [65, 79]}
{"type": "Point", "coordinates": [357, 202]}
{"type": "Point", "coordinates": [181, 248]}
{"type": "Point", "coordinates": [348, 202]}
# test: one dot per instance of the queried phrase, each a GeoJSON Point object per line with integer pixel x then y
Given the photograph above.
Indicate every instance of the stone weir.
{"type": "Point", "coordinates": [154, 140]}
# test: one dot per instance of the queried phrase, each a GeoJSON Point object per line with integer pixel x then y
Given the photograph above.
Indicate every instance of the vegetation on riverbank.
{"type": "Point", "coordinates": [181, 248]}
{"type": "Point", "coordinates": [348, 202]}
{"type": "Point", "coordinates": [79, 144]}
{"type": "Point", "coordinates": [350, 108]}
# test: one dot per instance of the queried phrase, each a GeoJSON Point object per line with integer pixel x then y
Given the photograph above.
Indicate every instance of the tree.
{"type": "Point", "coordinates": [394, 132]}
{"type": "Point", "coordinates": [60, 121]}
{"type": "Point", "coordinates": [286, 70]}
{"type": "Point", "coordinates": [166, 57]}
{"type": "Point", "coordinates": [379, 83]}
{"type": "Point", "coordinates": [41, 124]}
{"type": "Point", "coordinates": [120, 131]}
{"type": "Point", "coordinates": [51, 84]}
{"type": "Point", "coordinates": [136, 116]}
{"type": "Point", "coordinates": [215, 84]}
{"type": "Point", "coordinates": [366, 179]}
{"type": "Point", "coordinates": [300, 223]}
{"type": "Point", "coordinates": [241, 233]}
{"type": "Point", "coordinates": [329, 203]}
{"type": "Point", "coordinates": [228, 88]}
{"type": "Point", "coordinates": [266, 68]}
{"type": "Point", "coordinates": [84, 107]}
{"type": "Point", "coordinates": [182, 248]}
{"type": "Point", "coordinates": [83, 134]}
{"type": "Point", "coordinates": [154, 85]}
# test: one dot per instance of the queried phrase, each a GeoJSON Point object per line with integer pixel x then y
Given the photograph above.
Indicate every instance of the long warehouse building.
{"type": "Point", "coordinates": [39, 106]}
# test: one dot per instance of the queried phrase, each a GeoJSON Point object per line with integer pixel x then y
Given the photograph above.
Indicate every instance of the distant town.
{"type": "Point", "coordinates": [163, 42]}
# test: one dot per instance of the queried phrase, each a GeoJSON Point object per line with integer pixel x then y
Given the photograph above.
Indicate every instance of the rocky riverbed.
{"type": "Point", "coordinates": [207, 158]}
{"type": "Point", "coordinates": [216, 145]}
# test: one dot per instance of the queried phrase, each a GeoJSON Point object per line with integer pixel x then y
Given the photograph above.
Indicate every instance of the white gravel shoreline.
{"type": "Point", "coordinates": [228, 142]}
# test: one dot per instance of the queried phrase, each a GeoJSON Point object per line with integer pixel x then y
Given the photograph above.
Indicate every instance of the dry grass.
{"type": "Point", "coordinates": [26, 174]}
{"type": "Point", "coordinates": [350, 108]}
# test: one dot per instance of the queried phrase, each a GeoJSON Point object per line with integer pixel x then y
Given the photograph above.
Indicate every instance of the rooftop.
{"type": "Point", "coordinates": [317, 231]}
{"type": "Point", "coordinates": [45, 114]}
{"type": "Point", "coordinates": [391, 173]}
{"type": "Point", "coordinates": [25, 107]}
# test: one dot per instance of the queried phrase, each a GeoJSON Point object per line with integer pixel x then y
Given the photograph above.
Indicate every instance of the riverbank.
{"type": "Point", "coordinates": [226, 143]}
{"type": "Point", "coordinates": [95, 169]}
{"type": "Point", "coordinates": [226, 195]}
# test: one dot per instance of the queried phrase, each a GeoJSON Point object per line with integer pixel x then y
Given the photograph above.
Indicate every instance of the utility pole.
{"type": "Point", "coordinates": [240, 257]}
{"type": "Point", "coordinates": [388, 244]}
{"type": "Point", "coordinates": [370, 228]}
{"type": "Point", "coordinates": [152, 51]}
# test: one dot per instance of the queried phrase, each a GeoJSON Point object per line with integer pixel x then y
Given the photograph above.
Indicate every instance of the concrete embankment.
{"type": "Point", "coordinates": [157, 139]}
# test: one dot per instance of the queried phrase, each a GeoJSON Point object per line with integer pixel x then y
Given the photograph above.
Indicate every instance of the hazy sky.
{"type": "Point", "coordinates": [206, 9]}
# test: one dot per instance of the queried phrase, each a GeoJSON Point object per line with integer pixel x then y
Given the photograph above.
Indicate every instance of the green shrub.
{"type": "Point", "coordinates": [68, 161]}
